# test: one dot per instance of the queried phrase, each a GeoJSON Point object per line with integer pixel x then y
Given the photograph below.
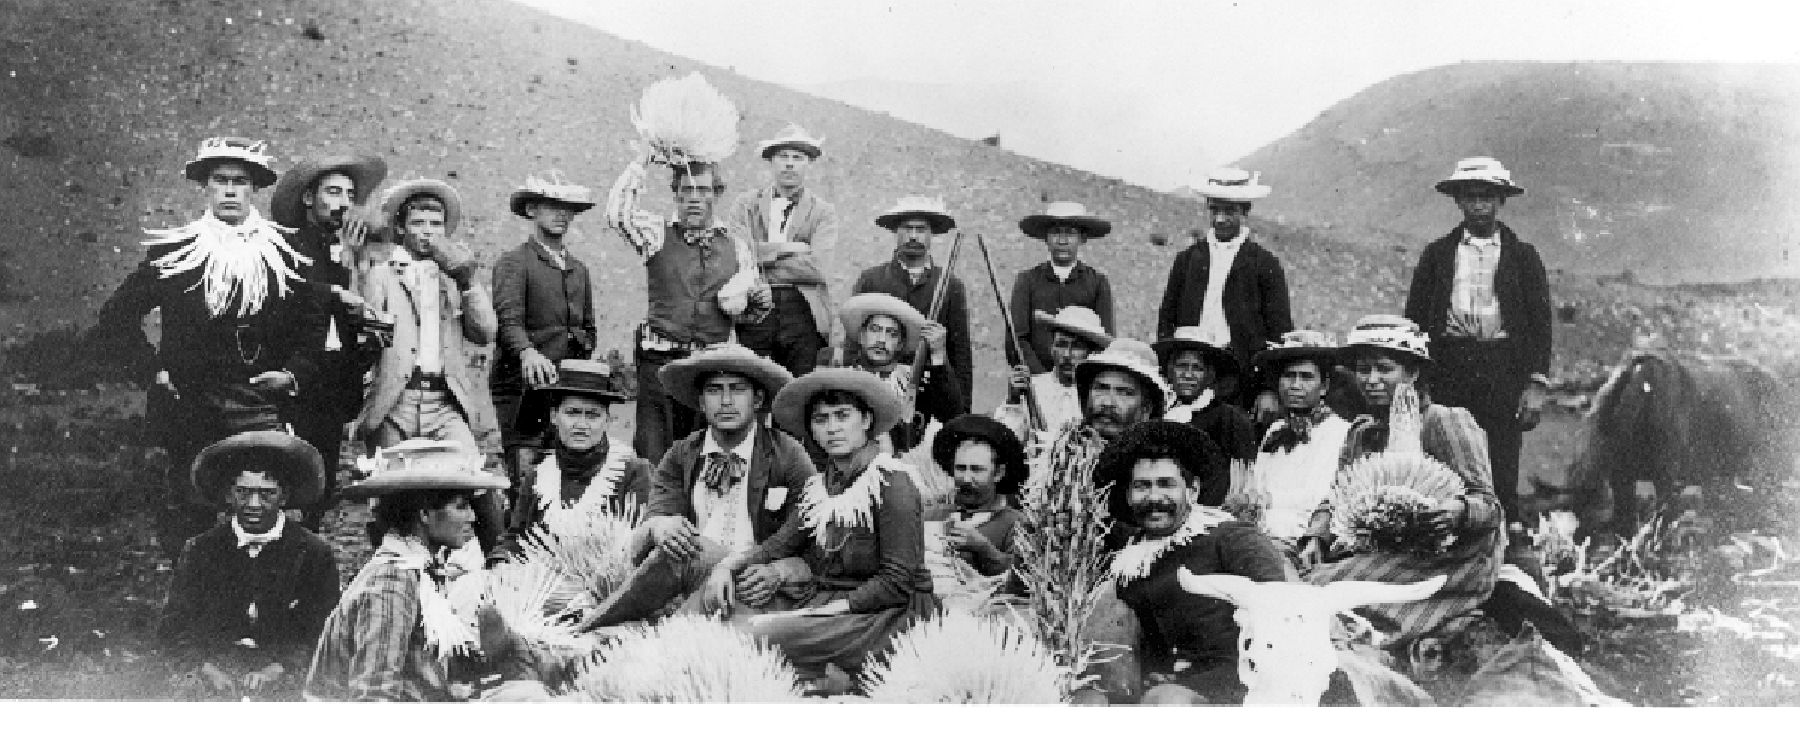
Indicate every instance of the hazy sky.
{"type": "Point", "coordinates": [1205, 81]}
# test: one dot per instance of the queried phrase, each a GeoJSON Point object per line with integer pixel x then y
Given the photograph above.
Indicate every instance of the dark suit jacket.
{"type": "Point", "coordinates": [779, 462]}
{"type": "Point", "coordinates": [540, 306]}
{"type": "Point", "coordinates": [891, 278]}
{"type": "Point", "coordinates": [1255, 298]}
{"type": "Point", "coordinates": [1519, 283]}
{"type": "Point", "coordinates": [293, 582]}
{"type": "Point", "coordinates": [336, 394]}
{"type": "Point", "coordinates": [1036, 289]}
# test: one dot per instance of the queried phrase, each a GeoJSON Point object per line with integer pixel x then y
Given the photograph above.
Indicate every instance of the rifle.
{"type": "Point", "coordinates": [938, 296]}
{"type": "Point", "coordinates": [1034, 413]}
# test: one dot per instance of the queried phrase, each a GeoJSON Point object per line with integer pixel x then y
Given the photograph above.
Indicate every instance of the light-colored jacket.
{"type": "Point", "coordinates": [813, 222]}
{"type": "Point", "coordinates": [466, 333]}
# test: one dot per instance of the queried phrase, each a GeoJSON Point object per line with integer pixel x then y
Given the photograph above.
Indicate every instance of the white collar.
{"type": "Point", "coordinates": [743, 451]}
{"type": "Point", "coordinates": [1212, 240]}
{"type": "Point", "coordinates": [256, 541]}
{"type": "Point", "coordinates": [1469, 239]}
{"type": "Point", "coordinates": [1063, 272]}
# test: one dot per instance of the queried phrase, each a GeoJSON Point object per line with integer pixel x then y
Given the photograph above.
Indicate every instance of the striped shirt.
{"type": "Point", "coordinates": [1474, 308]}
{"type": "Point", "coordinates": [373, 646]}
{"type": "Point", "coordinates": [1471, 566]}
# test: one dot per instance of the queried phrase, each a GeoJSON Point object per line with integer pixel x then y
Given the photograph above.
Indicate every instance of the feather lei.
{"type": "Point", "coordinates": [686, 120]}
{"type": "Point", "coordinates": [446, 632]}
{"type": "Point", "coordinates": [1135, 560]}
{"type": "Point", "coordinates": [855, 507]}
{"type": "Point", "coordinates": [235, 261]}
{"type": "Point", "coordinates": [600, 489]}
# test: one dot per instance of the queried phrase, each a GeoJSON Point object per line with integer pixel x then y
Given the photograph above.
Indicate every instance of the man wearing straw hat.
{"type": "Point", "coordinates": [885, 332]}
{"type": "Point", "coordinates": [1062, 281]}
{"type": "Point", "coordinates": [395, 635]}
{"type": "Point", "coordinates": [1164, 478]}
{"type": "Point", "coordinates": [1205, 379]}
{"type": "Point", "coordinates": [250, 596]}
{"type": "Point", "coordinates": [1227, 283]}
{"type": "Point", "coordinates": [321, 199]}
{"type": "Point", "coordinates": [1076, 333]}
{"type": "Point", "coordinates": [913, 277]}
{"type": "Point", "coordinates": [544, 302]}
{"type": "Point", "coordinates": [1482, 296]}
{"type": "Point", "coordinates": [428, 383]}
{"type": "Point", "coordinates": [791, 228]}
{"type": "Point", "coordinates": [1120, 387]}
{"type": "Point", "coordinates": [237, 341]}
{"type": "Point", "coordinates": [723, 489]}
{"type": "Point", "coordinates": [1298, 459]}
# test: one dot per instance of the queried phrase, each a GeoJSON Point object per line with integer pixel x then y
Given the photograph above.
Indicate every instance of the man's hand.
{"type": "Point", "coordinates": [1018, 383]}
{"type": "Point", "coordinates": [273, 383]}
{"type": "Point", "coordinates": [937, 340]}
{"type": "Point", "coordinates": [163, 380]}
{"type": "Point", "coordinates": [256, 679]}
{"type": "Point", "coordinates": [1311, 554]}
{"type": "Point", "coordinates": [496, 638]}
{"type": "Point", "coordinates": [1531, 405]}
{"type": "Point", "coordinates": [970, 540]}
{"type": "Point", "coordinates": [218, 679]}
{"type": "Point", "coordinates": [757, 584]}
{"type": "Point", "coordinates": [1268, 408]}
{"type": "Point", "coordinates": [715, 594]}
{"type": "Point", "coordinates": [1448, 515]}
{"type": "Point", "coordinates": [539, 371]}
{"type": "Point", "coordinates": [354, 233]}
{"type": "Point", "coordinates": [675, 536]}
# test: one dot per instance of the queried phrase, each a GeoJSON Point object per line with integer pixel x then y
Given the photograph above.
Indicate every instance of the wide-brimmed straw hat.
{"type": "Point", "coordinates": [681, 379]}
{"type": "Point", "coordinates": [1065, 213]}
{"type": "Point", "coordinates": [288, 206]}
{"type": "Point", "coordinates": [1188, 446]}
{"type": "Point", "coordinates": [420, 464]}
{"type": "Point", "coordinates": [883, 401]}
{"type": "Point", "coordinates": [794, 137]}
{"type": "Point", "coordinates": [402, 191]}
{"type": "Point", "coordinates": [1188, 338]}
{"type": "Point", "coordinates": [574, 376]}
{"type": "Point", "coordinates": [1391, 333]}
{"type": "Point", "coordinates": [930, 208]}
{"type": "Point", "coordinates": [1233, 185]}
{"type": "Point", "coordinates": [1130, 356]}
{"type": "Point", "coordinates": [535, 189]}
{"type": "Point", "coordinates": [1477, 172]}
{"type": "Point", "coordinates": [293, 462]}
{"type": "Point", "coordinates": [858, 309]}
{"type": "Point", "coordinates": [251, 153]}
{"type": "Point", "coordinates": [1009, 453]}
{"type": "Point", "coordinates": [1298, 345]}
{"type": "Point", "coordinates": [1077, 321]}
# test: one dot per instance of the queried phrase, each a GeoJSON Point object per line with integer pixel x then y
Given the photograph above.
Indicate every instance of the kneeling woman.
{"type": "Point", "coordinates": [858, 527]}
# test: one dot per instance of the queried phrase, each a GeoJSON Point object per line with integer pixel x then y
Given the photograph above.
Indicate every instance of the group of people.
{"type": "Point", "coordinates": [765, 464]}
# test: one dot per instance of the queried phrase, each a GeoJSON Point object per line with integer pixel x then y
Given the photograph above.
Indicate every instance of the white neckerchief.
{"type": "Point", "coordinates": [725, 518]}
{"type": "Point", "coordinates": [853, 508]}
{"type": "Point", "coordinates": [254, 542]}
{"type": "Point", "coordinates": [1184, 412]}
{"type": "Point", "coordinates": [446, 632]}
{"type": "Point", "coordinates": [1135, 560]}
{"type": "Point", "coordinates": [1218, 246]}
{"type": "Point", "coordinates": [600, 489]}
{"type": "Point", "coordinates": [1492, 241]}
{"type": "Point", "coordinates": [234, 260]}
{"type": "Point", "coordinates": [1063, 272]}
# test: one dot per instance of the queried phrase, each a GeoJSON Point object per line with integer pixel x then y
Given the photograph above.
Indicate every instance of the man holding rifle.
{"type": "Point", "coordinates": [913, 278]}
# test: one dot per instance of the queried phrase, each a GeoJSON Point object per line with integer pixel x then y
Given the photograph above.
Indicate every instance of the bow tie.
{"type": "Point", "coordinates": [722, 471]}
{"type": "Point", "coordinates": [702, 237]}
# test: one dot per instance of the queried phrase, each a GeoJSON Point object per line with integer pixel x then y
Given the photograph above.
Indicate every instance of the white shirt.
{"type": "Point", "coordinates": [1213, 327]}
{"type": "Point", "coordinates": [1184, 412]}
{"type": "Point", "coordinates": [1061, 405]}
{"type": "Point", "coordinates": [1063, 272]}
{"type": "Point", "coordinates": [1295, 481]}
{"type": "Point", "coordinates": [725, 519]}
{"type": "Point", "coordinates": [421, 278]}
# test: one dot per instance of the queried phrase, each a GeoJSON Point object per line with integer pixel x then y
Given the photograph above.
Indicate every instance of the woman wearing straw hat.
{"type": "Point", "coordinates": [395, 636]}
{"type": "Point", "coordinates": [254, 577]}
{"type": "Point", "coordinates": [1298, 458]}
{"type": "Point", "coordinates": [1062, 281]}
{"type": "Point", "coordinates": [858, 527]}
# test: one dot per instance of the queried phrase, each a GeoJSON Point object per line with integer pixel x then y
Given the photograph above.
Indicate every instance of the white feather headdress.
{"type": "Point", "coordinates": [686, 121]}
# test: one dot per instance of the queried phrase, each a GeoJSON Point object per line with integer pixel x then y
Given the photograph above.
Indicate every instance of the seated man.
{"type": "Point", "coordinates": [889, 332]}
{"type": "Point", "coordinates": [1188, 643]}
{"type": "Point", "coordinates": [580, 464]}
{"type": "Point", "coordinates": [1298, 460]}
{"type": "Point", "coordinates": [723, 489]}
{"type": "Point", "coordinates": [1075, 333]}
{"type": "Point", "coordinates": [988, 465]}
{"type": "Point", "coordinates": [250, 595]}
{"type": "Point", "coordinates": [1205, 379]}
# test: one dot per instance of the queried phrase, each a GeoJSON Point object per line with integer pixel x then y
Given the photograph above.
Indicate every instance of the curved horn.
{"type": "Point", "coordinates": [1235, 589]}
{"type": "Point", "coordinates": [1346, 595]}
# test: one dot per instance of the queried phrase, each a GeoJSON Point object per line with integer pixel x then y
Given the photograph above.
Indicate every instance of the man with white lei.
{"type": "Point", "coordinates": [236, 342]}
{"type": "Point", "coordinates": [1161, 474]}
{"type": "Point", "coordinates": [719, 491]}
{"type": "Point", "coordinates": [580, 466]}
{"type": "Point", "coordinates": [859, 528]}
{"type": "Point", "coordinates": [885, 332]}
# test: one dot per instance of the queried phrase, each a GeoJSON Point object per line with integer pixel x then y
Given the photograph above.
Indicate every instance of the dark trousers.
{"type": "Point", "coordinates": [1474, 375]}
{"type": "Point", "coordinates": [1511, 607]}
{"type": "Point", "coordinates": [325, 435]}
{"type": "Point", "coordinates": [788, 336]}
{"type": "Point", "coordinates": [660, 419]}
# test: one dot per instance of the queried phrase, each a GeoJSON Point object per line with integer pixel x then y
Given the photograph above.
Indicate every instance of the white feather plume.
{"type": "Point", "coordinates": [687, 120]}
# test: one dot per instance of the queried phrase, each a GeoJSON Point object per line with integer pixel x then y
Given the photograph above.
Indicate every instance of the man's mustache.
{"type": "Point", "coordinates": [1153, 506]}
{"type": "Point", "coordinates": [1108, 413]}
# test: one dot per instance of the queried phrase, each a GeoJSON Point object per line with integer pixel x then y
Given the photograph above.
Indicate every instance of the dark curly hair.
{"type": "Point", "coordinates": [1199, 458]}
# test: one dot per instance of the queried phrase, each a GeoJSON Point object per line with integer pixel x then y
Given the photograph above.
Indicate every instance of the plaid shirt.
{"type": "Point", "coordinates": [373, 647]}
{"type": "Point", "coordinates": [1472, 565]}
{"type": "Point", "coordinates": [1474, 308]}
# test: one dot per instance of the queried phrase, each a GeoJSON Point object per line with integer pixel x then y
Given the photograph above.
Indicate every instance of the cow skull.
{"type": "Point", "coordinates": [1285, 653]}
